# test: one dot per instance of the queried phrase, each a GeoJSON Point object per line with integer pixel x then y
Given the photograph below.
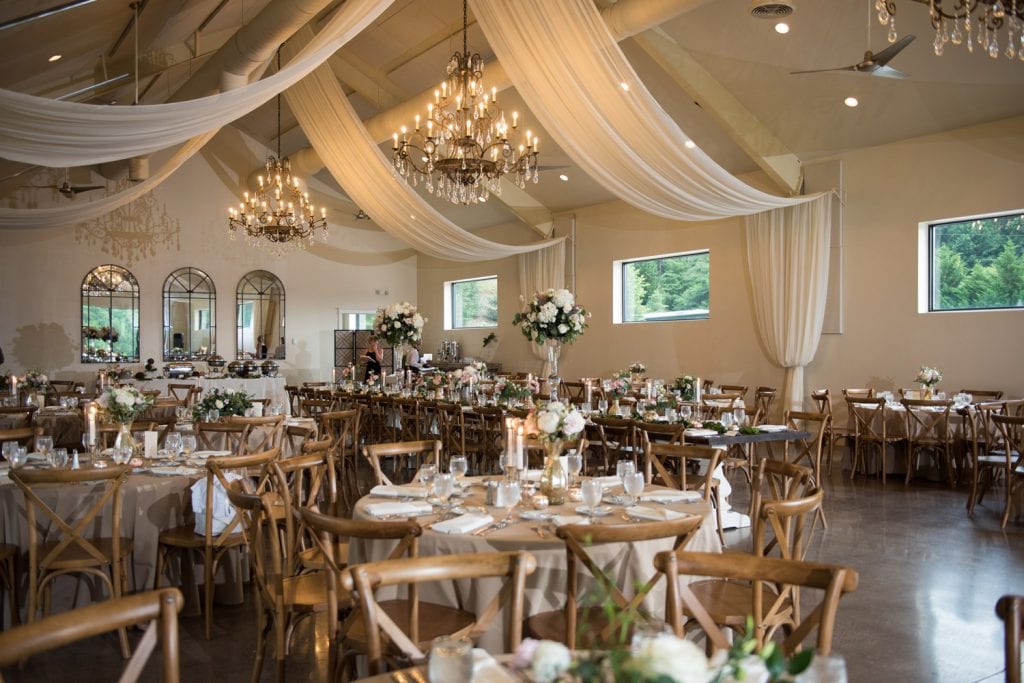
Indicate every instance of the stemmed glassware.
{"type": "Point", "coordinates": [508, 496]}
{"type": "Point", "coordinates": [575, 466]}
{"type": "Point", "coordinates": [58, 458]}
{"type": "Point", "coordinates": [173, 443]}
{"type": "Point", "coordinates": [122, 454]}
{"type": "Point", "coordinates": [9, 448]}
{"type": "Point", "coordinates": [633, 485]}
{"type": "Point", "coordinates": [444, 487]}
{"type": "Point", "coordinates": [591, 491]}
{"type": "Point", "coordinates": [686, 412]}
{"type": "Point", "coordinates": [726, 419]}
{"type": "Point", "coordinates": [188, 444]}
{"type": "Point", "coordinates": [624, 467]}
{"type": "Point", "coordinates": [426, 476]}
{"type": "Point", "coordinates": [739, 414]}
{"type": "Point", "coordinates": [44, 444]}
{"type": "Point", "coordinates": [19, 457]}
{"type": "Point", "coordinates": [458, 466]}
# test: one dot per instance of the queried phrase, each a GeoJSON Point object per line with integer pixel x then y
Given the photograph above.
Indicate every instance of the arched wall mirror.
{"type": "Point", "coordinates": [110, 316]}
{"type": "Point", "coordinates": [260, 316]}
{"type": "Point", "coordinates": [190, 315]}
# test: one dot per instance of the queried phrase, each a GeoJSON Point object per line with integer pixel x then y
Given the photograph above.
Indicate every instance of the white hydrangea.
{"type": "Point", "coordinates": [550, 660]}
{"type": "Point", "coordinates": [547, 421]}
{"type": "Point", "coordinates": [547, 313]}
{"type": "Point", "coordinates": [573, 423]}
{"type": "Point", "coordinates": [678, 659]}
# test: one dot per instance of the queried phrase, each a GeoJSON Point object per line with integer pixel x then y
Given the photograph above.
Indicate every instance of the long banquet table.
{"type": "Point", "coordinates": [271, 388]}
{"type": "Point", "coordinates": [545, 588]}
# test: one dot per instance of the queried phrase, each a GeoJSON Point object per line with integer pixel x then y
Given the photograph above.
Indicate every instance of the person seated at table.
{"type": "Point", "coordinates": [412, 360]}
{"type": "Point", "coordinates": [373, 358]}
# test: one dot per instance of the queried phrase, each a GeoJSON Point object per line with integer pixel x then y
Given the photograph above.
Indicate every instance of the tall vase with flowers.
{"type": "Point", "coordinates": [400, 325]}
{"type": "Point", "coordinates": [123, 405]}
{"type": "Point", "coordinates": [553, 423]}
{"type": "Point", "coordinates": [552, 318]}
{"type": "Point", "coordinates": [928, 377]}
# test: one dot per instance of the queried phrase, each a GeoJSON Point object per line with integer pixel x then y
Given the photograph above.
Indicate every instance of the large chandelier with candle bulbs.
{"type": "Point", "coordinates": [953, 21]}
{"type": "Point", "coordinates": [466, 144]}
{"type": "Point", "coordinates": [278, 215]}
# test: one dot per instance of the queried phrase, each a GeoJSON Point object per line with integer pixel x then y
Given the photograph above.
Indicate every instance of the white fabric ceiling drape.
{"type": "Point", "coordinates": [37, 130]}
{"type": "Point", "coordinates": [538, 271]}
{"type": "Point", "coordinates": [570, 71]}
{"type": "Point", "coordinates": [369, 179]}
{"type": "Point", "coordinates": [787, 256]}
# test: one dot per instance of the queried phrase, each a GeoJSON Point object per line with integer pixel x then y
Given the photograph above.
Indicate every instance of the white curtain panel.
{"type": "Point", "coordinates": [570, 71]}
{"type": "Point", "coordinates": [36, 130]}
{"type": "Point", "coordinates": [538, 271]}
{"type": "Point", "coordinates": [787, 257]}
{"type": "Point", "coordinates": [369, 179]}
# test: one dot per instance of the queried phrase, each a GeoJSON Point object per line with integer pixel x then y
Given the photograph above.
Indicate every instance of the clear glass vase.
{"type": "Point", "coordinates": [554, 481]}
{"type": "Point", "coordinates": [124, 436]}
{"type": "Point", "coordinates": [554, 348]}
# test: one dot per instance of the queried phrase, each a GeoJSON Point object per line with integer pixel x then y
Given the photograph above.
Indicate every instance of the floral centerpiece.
{"type": "Point", "coordinates": [928, 377]}
{"type": "Point", "coordinates": [399, 324]}
{"type": "Point", "coordinates": [687, 387]}
{"type": "Point", "coordinates": [553, 315]}
{"type": "Point", "coordinates": [123, 405]}
{"type": "Point", "coordinates": [616, 388]}
{"type": "Point", "coordinates": [552, 423]}
{"type": "Point", "coordinates": [34, 381]}
{"type": "Point", "coordinates": [224, 401]}
{"type": "Point", "coordinates": [507, 392]}
{"type": "Point", "coordinates": [636, 369]}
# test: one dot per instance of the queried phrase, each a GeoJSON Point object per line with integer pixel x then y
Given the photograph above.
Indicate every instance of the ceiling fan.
{"type": "Point", "coordinates": [66, 188]}
{"type": "Point", "coordinates": [873, 64]}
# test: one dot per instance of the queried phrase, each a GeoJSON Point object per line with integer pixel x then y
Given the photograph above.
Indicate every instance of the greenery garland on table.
{"type": "Point", "coordinates": [123, 404]}
{"type": "Point", "coordinates": [225, 401]}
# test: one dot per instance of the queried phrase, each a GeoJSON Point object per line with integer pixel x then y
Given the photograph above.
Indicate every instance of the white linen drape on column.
{"type": "Point", "coordinates": [787, 257]}
{"type": "Point", "coordinates": [37, 130]}
{"type": "Point", "coordinates": [538, 271]}
{"type": "Point", "coordinates": [570, 71]}
{"type": "Point", "coordinates": [369, 179]}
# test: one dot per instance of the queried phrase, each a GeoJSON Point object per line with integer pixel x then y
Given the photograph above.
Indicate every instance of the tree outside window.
{"type": "Point", "coordinates": [474, 303]}
{"type": "Point", "coordinates": [977, 264]}
{"type": "Point", "coordinates": [671, 287]}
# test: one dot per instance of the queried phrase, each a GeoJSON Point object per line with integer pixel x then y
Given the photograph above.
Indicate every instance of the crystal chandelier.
{"type": "Point", "coordinates": [952, 24]}
{"type": "Point", "coordinates": [278, 215]}
{"type": "Point", "coordinates": [464, 149]}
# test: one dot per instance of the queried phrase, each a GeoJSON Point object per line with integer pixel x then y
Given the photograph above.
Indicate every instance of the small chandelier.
{"type": "Point", "coordinates": [952, 24]}
{"type": "Point", "coordinates": [465, 149]}
{"type": "Point", "coordinates": [278, 215]}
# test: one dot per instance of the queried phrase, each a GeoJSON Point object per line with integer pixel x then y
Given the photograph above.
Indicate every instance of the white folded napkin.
{"type": "Point", "coordinates": [609, 481]}
{"type": "Point", "coordinates": [772, 428]}
{"type": "Point", "coordinates": [173, 471]}
{"type": "Point", "coordinates": [653, 514]}
{"type": "Point", "coordinates": [199, 455]}
{"type": "Point", "coordinates": [388, 491]}
{"type": "Point", "coordinates": [692, 431]}
{"type": "Point", "coordinates": [669, 496]}
{"type": "Point", "coordinates": [486, 669]}
{"type": "Point", "coordinates": [464, 524]}
{"type": "Point", "coordinates": [562, 520]}
{"type": "Point", "coordinates": [415, 508]}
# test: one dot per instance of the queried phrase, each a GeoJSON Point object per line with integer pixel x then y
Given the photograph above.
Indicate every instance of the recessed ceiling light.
{"type": "Point", "coordinates": [782, 27]}
{"type": "Point", "coordinates": [624, 86]}
{"type": "Point", "coordinates": [689, 144]}
{"type": "Point", "coordinates": [54, 58]}
{"type": "Point", "coordinates": [563, 177]}
{"type": "Point", "coordinates": [851, 102]}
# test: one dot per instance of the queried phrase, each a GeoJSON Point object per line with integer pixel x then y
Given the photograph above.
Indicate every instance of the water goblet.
{"type": "Point", "coordinates": [426, 476]}
{"type": "Point", "coordinates": [9, 448]}
{"type": "Point", "coordinates": [508, 496]}
{"type": "Point", "coordinates": [739, 414]}
{"type": "Point", "coordinates": [458, 465]}
{"type": "Point", "coordinates": [451, 660]}
{"type": "Point", "coordinates": [671, 415]}
{"type": "Point", "coordinates": [181, 413]}
{"type": "Point", "coordinates": [686, 412]}
{"type": "Point", "coordinates": [173, 443]}
{"type": "Point", "coordinates": [122, 454]}
{"type": "Point", "coordinates": [624, 467]}
{"type": "Point", "coordinates": [444, 487]}
{"type": "Point", "coordinates": [633, 484]}
{"type": "Point", "coordinates": [19, 456]}
{"type": "Point", "coordinates": [213, 415]}
{"type": "Point", "coordinates": [574, 461]}
{"type": "Point", "coordinates": [591, 491]}
{"type": "Point", "coordinates": [188, 444]}
{"type": "Point", "coordinates": [58, 458]}
{"type": "Point", "coordinates": [726, 419]}
{"type": "Point", "coordinates": [602, 405]}
{"type": "Point", "coordinates": [44, 444]}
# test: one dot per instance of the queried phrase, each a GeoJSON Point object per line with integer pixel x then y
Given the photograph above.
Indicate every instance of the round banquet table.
{"type": "Point", "coordinates": [150, 505]}
{"type": "Point", "coordinates": [627, 563]}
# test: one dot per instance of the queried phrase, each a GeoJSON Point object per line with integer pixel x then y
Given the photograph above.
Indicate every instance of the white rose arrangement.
{"type": "Point", "coordinates": [224, 401]}
{"type": "Point", "coordinates": [123, 404]}
{"type": "Point", "coordinates": [34, 380]}
{"type": "Point", "coordinates": [555, 421]}
{"type": "Point", "coordinates": [552, 314]}
{"type": "Point", "coordinates": [637, 368]}
{"type": "Point", "coordinates": [399, 324]}
{"type": "Point", "coordinates": [928, 376]}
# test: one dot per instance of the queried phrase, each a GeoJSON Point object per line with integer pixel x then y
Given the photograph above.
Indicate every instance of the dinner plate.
{"type": "Point", "coordinates": [599, 511]}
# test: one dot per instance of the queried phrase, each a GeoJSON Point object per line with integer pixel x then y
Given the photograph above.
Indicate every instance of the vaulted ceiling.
{"type": "Point", "coordinates": [720, 43]}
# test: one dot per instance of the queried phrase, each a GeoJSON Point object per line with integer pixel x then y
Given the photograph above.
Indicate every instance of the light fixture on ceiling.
{"type": "Point", "coordinates": [782, 28]}
{"type": "Point", "coordinates": [54, 58]}
{"type": "Point", "coordinates": [851, 101]}
{"type": "Point", "coordinates": [278, 215]}
{"type": "Point", "coordinates": [689, 144]}
{"type": "Point", "coordinates": [952, 24]}
{"type": "Point", "coordinates": [564, 178]}
{"type": "Point", "coordinates": [466, 143]}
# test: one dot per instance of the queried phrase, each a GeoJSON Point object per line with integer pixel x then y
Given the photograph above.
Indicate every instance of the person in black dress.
{"type": "Point", "coordinates": [372, 356]}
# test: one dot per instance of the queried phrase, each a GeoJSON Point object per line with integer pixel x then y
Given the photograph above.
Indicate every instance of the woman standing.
{"type": "Point", "coordinates": [373, 358]}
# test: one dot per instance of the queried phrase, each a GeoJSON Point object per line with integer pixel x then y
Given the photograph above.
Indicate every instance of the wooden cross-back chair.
{"type": "Point", "coordinates": [712, 405]}
{"type": "Point", "coordinates": [780, 480]}
{"type": "Point", "coordinates": [739, 389]}
{"type": "Point", "coordinates": [573, 392]}
{"type": "Point", "coordinates": [1010, 608]}
{"type": "Point", "coordinates": [106, 432]}
{"type": "Point", "coordinates": [220, 436]}
{"type": "Point", "coordinates": [833, 432]}
{"type": "Point", "coordinates": [184, 392]}
{"type": "Point", "coordinates": [602, 631]}
{"type": "Point", "coordinates": [408, 412]}
{"type": "Point", "coordinates": [808, 451]}
{"type": "Point", "coordinates": [285, 594]}
{"type": "Point", "coordinates": [871, 433]}
{"type": "Point", "coordinates": [780, 526]}
{"type": "Point", "coordinates": [15, 417]}
{"type": "Point", "coordinates": [764, 397]}
{"type": "Point", "coordinates": [765, 575]}
{"type": "Point", "coordinates": [983, 395]}
{"type": "Point", "coordinates": [344, 429]}
{"type": "Point", "coordinates": [1011, 427]}
{"type": "Point", "coordinates": [214, 545]}
{"type": "Point", "coordinates": [315, 407]}
{"type": "Point", "coordinates": [406, 457]}
{"type": "Point", "coordinates": [983, 439]}
{"type": "Point", "coordinates": [24, 436]}
{"type": "Point", "coordinates": [295, 437]}
{"type": "Point", "coordinates": [660, 459]}
{"type": "Point", "coordinates": [158, 608]}
{"type": "Point", "coordinates": [615, 438]}
{"type": "Point", "coordinates": [332, 533]}
{"type": "Point", "coordinates": [10, 578]}
{"type": "Point", "coordinates": [401, 638]}
{"type": "Point", "coordinates": [928, 432]}
{"type": "Point", "coordinates": [261, 433]}
{"type": "Point", "coordinates": [483, 436]}
{"type": "Point", "coordinates": [659, 432]}
{"type": "Point", "coordinates": [59, 545]}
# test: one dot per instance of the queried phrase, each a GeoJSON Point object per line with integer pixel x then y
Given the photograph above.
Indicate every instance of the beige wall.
{"type": "Point", "coordinates": [889, 190]}
{"type": "Point", "coordinates": [41, 274]}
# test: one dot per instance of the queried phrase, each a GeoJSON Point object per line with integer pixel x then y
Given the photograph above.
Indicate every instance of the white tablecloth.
{"type": "Point", "coordinates": [260, 387]}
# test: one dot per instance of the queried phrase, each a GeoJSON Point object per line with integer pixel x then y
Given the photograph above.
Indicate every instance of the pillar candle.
{"type": "Point", "coordinates": [91, 431]}
{"type": "Point", "coordinates": [520, 453]}
{"type": "Point", "coordinates": [511, 455]}
{"type": "Point", "coordinates": [589, 395]}
{"type": "Point", "coordinates": [14, 388]}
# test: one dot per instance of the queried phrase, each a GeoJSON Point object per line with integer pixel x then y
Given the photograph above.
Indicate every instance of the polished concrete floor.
{"type": "Point", "coordinates": [929, 579]}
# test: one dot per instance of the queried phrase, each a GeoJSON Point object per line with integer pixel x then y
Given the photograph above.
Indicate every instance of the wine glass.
{"type": "Point", "coordinates": [739, 414]}
{"type": "Point", "coordinates": [686, 412]}
{"type": "Point", "coordinates": [9, 448]}
{"type": "Point", "coordinates": [426, 476]}
{"type": "Point", "coordinates": [444, 487]}
{"type": "Point", "coordinates": [173, 443]}
{"type": "Point", "coordinates": [726, 419]}
{"type": "Point", "coordinates": [58, 458]}
{"type": "Point", "coordinates": [602, 406]}
{"type": "Point", "coordinates": [122, 454]}
{"type": "Point", "coordinates": [181, 413]}
{"type": "Point", "coordinates": [591, 491]}
{"type": "Point", "coordinates": [574, 461]}
{"type": "Point", "coordinates": [508, 496]}
{"type": "Point", "coordinates": [19, 457]}
{"type": "Point", "coordinates": [44, 444]}
{"type": "Point", "coordinates": [213, 415]}
{"type": "Point", "coordinates": [624, 467]}
{"type": "Point", "coordinates": [188, 444]}
{"type": "Point", "coordinates": [633, 484]}
{"type": "Point", "coordinates": [458, 465]}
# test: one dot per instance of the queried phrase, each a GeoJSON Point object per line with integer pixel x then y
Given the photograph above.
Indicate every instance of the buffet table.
{"type": "Point", "coordinates": [271, 388]}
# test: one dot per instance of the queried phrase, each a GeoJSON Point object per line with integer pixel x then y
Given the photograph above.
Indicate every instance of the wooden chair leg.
{"type": "Point", "coordinates": [263, 628]}
{"type": "Point", "coordinates": [12, 577]}
{"type": "Point", "coordinates": [208, 590]}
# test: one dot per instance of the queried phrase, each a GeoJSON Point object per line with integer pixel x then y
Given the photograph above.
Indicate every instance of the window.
{"type": "Point", "coordinates": [190, 305]}
{"type": "Point", "coordinates": [471, 303]}
{"type": "Point", "coordinates": [259, 306]}
{"type": "Point", "coordinates": [110, 316]}
{"type": "Point", "coordinates": [976, 263]}
{"type": "Point", "coordinates": [357, 320]}
{"type": "Point", "coordinates": [662, 288]}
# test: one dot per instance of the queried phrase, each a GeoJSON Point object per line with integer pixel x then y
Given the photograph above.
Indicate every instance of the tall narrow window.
{"type": "Point", "coordinates": [662, 288]}
{"type": "Point", "coordinates": [976, 264]}
{"type": "Point", "coordinates": [110, 316]}
{"type": "Point", "coordinates": [260, 316]}
{"type": "Point", "coordinates": [471, 303]}
{"type": "Point", "coordinates": [190, 314]}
